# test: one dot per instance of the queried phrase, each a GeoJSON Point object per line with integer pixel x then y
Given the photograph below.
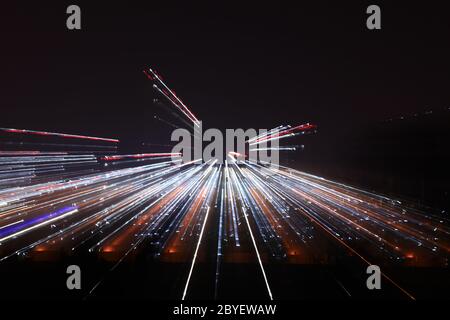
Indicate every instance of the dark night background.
{"type": "Point", "coordinates": [246, 66]}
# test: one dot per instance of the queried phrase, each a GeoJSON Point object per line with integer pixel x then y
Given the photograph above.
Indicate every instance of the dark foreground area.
{"type": "Point", "coordinates": [143, 278]}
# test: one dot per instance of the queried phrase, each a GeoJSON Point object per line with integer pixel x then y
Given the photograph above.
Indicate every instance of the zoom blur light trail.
{"type": "Point", "coordinates": [268, 211]}
{"type": "Point", "coordinates": [141, 156]}
{"type": "Point", "coordinates": [59, 135]}
{"type": "Point", "coordinates": [271, 131]}
{"type": "Point", "coordinates": [83, 204]}
{"type": "Point", "coordinates": [277, 148]}
{"type": "Point", "coordinates": [284, 133]}
{"type": "Point", "coordinates": [171, 96]}
{"type": "Point", "coordinates": [21, 227]}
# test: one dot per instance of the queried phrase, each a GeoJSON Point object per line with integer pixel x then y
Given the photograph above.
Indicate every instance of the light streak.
{"type": "Point", "coordinates": [11, 224]}
{"type": "Point", "coordinates": [275, 149]}
{"type": "Point", "coordinates": [140, 156]}
{"type": "Point", "coordinates": [258, 255]}
{"type": "Point", "coordinates": [195, 254]}
{"type": "Point", "coordinates": [66, 212]}
{"type": "Point", "coordinates": [60, 135]}
{"type": "Point", "coordinates": [171, 96]}
{"type": "Point", "coordinates": [283, 133]}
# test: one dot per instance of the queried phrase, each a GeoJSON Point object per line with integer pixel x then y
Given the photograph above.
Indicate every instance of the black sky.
{"type": "Point", "coordinates": [237, 66]}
